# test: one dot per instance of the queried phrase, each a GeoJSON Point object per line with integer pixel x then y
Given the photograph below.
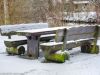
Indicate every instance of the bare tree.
{"type": "Point", "coordinates": [55, 12]}
{"type": "Point", "coordinates": [97, 8]}
{"type": "Point", "coordinates": [6, 13]}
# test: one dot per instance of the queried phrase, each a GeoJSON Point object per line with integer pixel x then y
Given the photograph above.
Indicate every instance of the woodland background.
{"type": "Point", "coordinates": [33, 11]}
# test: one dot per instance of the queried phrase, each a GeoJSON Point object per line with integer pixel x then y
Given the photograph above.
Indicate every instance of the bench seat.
{"type": "Point", "coordinates": [14, 43]}
{"type": "Point", "coordinates": [68, 42]}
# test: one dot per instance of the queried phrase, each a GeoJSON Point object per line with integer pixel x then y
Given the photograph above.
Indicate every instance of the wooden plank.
{"type": "Point", "coordinates": [81, 32]}
{"type": "Point", "coordinates": [59, 35]}
{"type": "Point", "coordinates": [15, 43]}
{"type": "Point", "coordinates": [99, 30]}
{"type": "Point", "coordinates": [33, 46]}
{"type": "Point", "coordinates": [69, 44]}
{"type": "Point", "coordinates": [80, 36]}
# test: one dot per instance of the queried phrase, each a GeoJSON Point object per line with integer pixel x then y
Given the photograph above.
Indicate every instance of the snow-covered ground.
{"type": "Point", "coordinates": [79, 64]}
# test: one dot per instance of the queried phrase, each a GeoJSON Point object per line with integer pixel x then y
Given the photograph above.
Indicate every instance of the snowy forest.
{"type": "Point", "coordinates": [52, 11]}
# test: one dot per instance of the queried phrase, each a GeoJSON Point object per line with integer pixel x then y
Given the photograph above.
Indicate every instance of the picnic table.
{"type": "Point", "coordinates": [33, 38]}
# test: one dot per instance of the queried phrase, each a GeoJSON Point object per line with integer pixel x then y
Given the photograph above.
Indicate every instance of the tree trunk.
{"type": "Point", "coordinates": [6, 12]}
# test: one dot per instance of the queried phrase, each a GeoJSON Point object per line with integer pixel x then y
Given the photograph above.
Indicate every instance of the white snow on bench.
{"type": "Point", "coordinates": [48, 35]}
{"type": "Point", "coordinates": [16, 39]}
{"type": "Point", "coordinates": [60, 43]}
{"type": "Point", "coordinates": [52, 43]}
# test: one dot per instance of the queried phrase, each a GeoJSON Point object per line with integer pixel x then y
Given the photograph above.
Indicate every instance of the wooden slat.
{"type": "Point", "coordinates": [59, 40]}
{"type": "Point", "coordinates": [80, 36]}
{"type": "Point", "coordinates": [69, 44]}
{"type": "Point", "coordinates": [59, 35]}
{"type": "Point", "coordinates": [82, 32]}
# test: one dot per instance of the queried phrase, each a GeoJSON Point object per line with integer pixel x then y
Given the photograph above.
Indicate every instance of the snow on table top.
{"type": "Point", "coordinates": [48, 29]}
{"type": "Point", "coordinates": [40, 30]}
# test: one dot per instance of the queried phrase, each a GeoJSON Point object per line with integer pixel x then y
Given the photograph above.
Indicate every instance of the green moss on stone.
{"type": "Point", "coordinates": [12, 50]}
{"type": "Point", "coordinates": [67, 55]}
{"type": "Point", "coordinates": [56, 57]}
{"type": "Point", "coordinates": [59, 56]}
{"type": "Point", "coordinates": [94, 49]}
{"type": "Point", "coordinates": [15, 43]}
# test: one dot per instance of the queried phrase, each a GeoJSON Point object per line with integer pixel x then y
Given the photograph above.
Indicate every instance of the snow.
{"type": "Point", "coordinates": [79, 63]}
{"type": "Point", "coordinates": [28, 26]}
{"type": "Point", "coordinates": [52, 43]}
{"type": "Point", "coordinates": [81, 16]}
{"type": "Point", "coordinates": [81, 2]}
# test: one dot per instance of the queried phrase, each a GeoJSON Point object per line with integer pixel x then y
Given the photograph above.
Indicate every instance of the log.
{"type": "Point", "coordinates": [14, 43]}
{"type": "Point", "coordinates": [13, 46]}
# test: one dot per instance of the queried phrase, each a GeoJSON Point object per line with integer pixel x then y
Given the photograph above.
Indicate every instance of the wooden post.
{"type": "Point", "coordinates": [99, 31]}
{"type": "Point", "coordinates": [64, 40]}
{"type": "Point", "coordinates": [6, 12]}
{"type": "Point", "coordinates": [33, 46]}
{"type": "Point", "coordinates": [95, 48]}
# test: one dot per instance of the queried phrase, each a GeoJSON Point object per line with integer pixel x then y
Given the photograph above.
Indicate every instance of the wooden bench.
{"type": "Point", "coordinates": [84, 36]}
{"type": "Point", "coordinates": [14, 45]}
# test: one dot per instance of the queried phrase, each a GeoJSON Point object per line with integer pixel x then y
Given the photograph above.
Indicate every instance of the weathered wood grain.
{"type": "Point", "coordinates": [59, 35]}
{"type": "Point", "coordinates": [81, 32]}
{"type": "Point", "coordinates": [15, 43]}
{"type": "Point", "coordinates": [33, 46]}
{"type": "Point", "coordinates": [99, 30]}
{"type": "Point", "coordinates": [11, 29]}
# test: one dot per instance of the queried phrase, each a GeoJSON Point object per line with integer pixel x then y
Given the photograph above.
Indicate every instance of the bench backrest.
{"type": "Point", "coordinates": [81, 32]}
{"type": "Point", "coordinates": [60, 35]}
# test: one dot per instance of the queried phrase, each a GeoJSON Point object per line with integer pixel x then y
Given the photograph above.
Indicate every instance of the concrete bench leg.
{"type": "Point", "coordinates": [88, 48]}
{"type": "Point", "coordinates": [54, 54]}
